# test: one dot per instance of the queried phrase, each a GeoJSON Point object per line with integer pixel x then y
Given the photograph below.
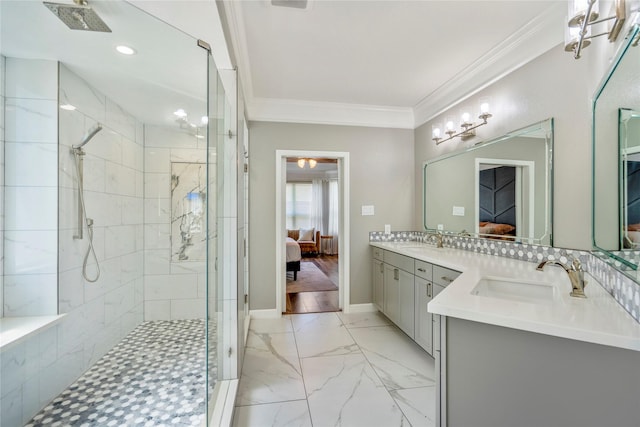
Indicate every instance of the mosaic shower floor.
{"type": "Point", "coordinates": [154, 377]}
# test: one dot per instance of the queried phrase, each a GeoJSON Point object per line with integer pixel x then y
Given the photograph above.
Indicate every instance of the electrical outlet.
{"type": "Point", "coordinates": [458, 211]}
{"type": "Point", "coordinates": [440, 227]}
{"type": "Point", "coordinates": [387, 229]}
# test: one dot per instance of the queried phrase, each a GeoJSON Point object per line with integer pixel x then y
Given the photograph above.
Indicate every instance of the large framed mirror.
{"type": "Point", "coordinates": [616, 160]}
{"type": "Point", "coordinates": [503, 188]}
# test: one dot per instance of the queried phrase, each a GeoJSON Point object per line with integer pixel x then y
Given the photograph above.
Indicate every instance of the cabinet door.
{"type": "Point", "coordinates": [406, 293]}
{"type": "Point", "coordinates": [391, 292]}
{"type": "Point", "coordinates": [378, 284]}
{"type": "Point", "coordinates": [423, 319]}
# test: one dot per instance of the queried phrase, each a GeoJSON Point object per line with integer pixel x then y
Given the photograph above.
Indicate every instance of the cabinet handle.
{"type": "Point", "coordinates": [422, 270]}
{"type": "Point", "coordinates": [429, 290]}
{"type": "Point", "coordinates": [447, 279]}
{"type": "Point", "coordinates": [396, 276]}
{"type": "Point", "coordinates": [381, 268]}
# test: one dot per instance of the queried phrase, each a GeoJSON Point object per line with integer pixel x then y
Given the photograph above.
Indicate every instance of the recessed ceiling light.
{"type": "Point", "coordinates": [67, 107]}
{"type": "Point", "coordinates": [180, 113]}
{"type": "Point", "coordinates": [125, 50]}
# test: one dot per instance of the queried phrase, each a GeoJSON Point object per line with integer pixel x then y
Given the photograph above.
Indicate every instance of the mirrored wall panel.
{"type": "Point", "coordinates": [503, 188]}
{"type": "Point", "coordinates": [616, 159]}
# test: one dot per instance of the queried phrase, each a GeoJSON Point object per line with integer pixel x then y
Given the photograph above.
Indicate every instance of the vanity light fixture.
{"type": "Point", "coordinates": [302, 162]}
{"type": "Point", "coordinates": [67, 107]}
{"type": "Point", "coordinates": [582, 15]}
{"type": "Point", "coordinates": [468, 127]}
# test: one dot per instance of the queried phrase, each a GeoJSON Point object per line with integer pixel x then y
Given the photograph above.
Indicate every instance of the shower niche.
{"type": "Point", "coordinates": [188, 203]}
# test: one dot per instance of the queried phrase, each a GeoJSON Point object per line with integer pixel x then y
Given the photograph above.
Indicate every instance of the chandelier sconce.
{"type": "Point", "coordinates": [198, 130]}
{"type": "Point", "coordinates": [583, 14]}
{"type": "Point", "coordinates": [302, 162]}
{"type": "Point", "coordinates": [468, 127]}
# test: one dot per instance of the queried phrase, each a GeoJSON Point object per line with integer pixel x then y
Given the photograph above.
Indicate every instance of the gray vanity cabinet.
{"type": "Point", "coordinates": [423, 294]}
{"type": "Point", "coordinates": [378, 278]}
{"type": "Point", "coordinates": [399, 291]}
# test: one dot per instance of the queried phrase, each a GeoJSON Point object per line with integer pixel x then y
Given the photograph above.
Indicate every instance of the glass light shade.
{"type": "Point", "coordinates": [125, 50]}
{"type": "Point", "coordinates": [312, 163]}
{"type": "Point", "coordinates": [68, 107]}
{"type": "Point", "coordinates": [466, 117]}
{"type": "Point", "coordinates": [484, 107]}
{"type": "Point", "coordinates": [435, 132]}
{"type": "Point", "coordinates": [301, 163]}
{"type": "Point", "coordinates": [180, 113]}
{"type": "Point", "coordinates": [204, 120]}
{"type": "Point", "coordinates": [449, 125]}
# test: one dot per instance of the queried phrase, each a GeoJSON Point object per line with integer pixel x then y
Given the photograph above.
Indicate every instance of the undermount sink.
{"type": "Point", "coordinates": [514, 290]}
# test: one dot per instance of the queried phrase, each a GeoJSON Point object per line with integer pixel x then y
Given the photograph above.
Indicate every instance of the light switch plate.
{"type": "Point", "coordinates": [458, 211]}
{"type": "Point", "coordinates": [440, 227]}
{"type": "Point", "coordinates": [387, 229]}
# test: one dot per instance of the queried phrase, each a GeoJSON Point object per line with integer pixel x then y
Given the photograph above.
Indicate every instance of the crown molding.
{"type": "Point", "coordinates": [237, 32]}
{"type": "Point", "coordinates": [330, 113]}
{"type": "Point", "coordinates": [532, 40]}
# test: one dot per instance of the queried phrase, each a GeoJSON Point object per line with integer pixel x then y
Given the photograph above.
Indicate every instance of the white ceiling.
{"type": "Point", "coordinates": [383, 62]}
{"type": "Point", "coordinates": [168, 72]}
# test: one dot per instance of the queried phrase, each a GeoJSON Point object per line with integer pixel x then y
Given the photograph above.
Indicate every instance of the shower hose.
{"type": "Point", "coordinates": [89, 222]}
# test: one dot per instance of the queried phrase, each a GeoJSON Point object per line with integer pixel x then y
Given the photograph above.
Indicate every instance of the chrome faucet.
{"type": "Point", "coordinates": [438, 236]}
{"type": "Point", "coordinates": [576, 275]}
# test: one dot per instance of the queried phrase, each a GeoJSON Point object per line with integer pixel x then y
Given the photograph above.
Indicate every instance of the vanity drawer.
{"type": "Point", "coordinates": [443, 276]}
{"type": "Point", "coordinates": [423, 269]}
{"type": "Point", "coordinates": [402, 262]}
{"type": "Point", "coordinates": [378, 254]}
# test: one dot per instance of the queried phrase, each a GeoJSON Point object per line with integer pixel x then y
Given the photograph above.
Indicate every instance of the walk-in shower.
{"type": "Point", "coordinates": [156, 329]}
{"type": "Point", "coordinates": [78, 157]}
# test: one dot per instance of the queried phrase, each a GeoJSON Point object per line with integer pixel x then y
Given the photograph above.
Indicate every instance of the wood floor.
{"type": "Point", "coordinates": [317, 302]}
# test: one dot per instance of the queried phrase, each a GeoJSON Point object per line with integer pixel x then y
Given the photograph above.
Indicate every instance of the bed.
{"type": "Point", "coordinates": [294, 255]}
{"type": "Point", "coordinates": [497, 231]}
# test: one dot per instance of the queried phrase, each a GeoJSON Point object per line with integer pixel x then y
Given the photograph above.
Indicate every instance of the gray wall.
{"type": "Point", "coordinates": [382, 175]}
{"type": "Point", "coordinates": [553, 85]}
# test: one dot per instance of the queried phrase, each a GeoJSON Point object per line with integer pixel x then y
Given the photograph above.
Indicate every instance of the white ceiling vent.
{"type": "Point", "coordinates": [298, 4]}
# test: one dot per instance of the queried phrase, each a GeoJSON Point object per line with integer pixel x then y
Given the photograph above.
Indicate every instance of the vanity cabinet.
{"type": "Point", "coordinates": [399, 291]}
{"type": "Point", "coordinates": [402, 289]}
{"type": "Point", "coordinates": [423, 320]}
{"type": "Point", "coordinates": [378, 278]}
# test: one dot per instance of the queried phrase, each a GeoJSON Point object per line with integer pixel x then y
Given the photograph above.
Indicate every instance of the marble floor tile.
{"type": "Point", "coordinates": [315, 322]}
{"type": "Point", "coordinates": [283, 414]}
{"type": "Point", "coordinates": [271, 370]}
{"type": "Point", "coordinates": [399, 361]}
{"type": "Point", "coordinates": [271, 326]}
{"type": "Point", "coordinates": [345, 391]}
{"type": "Point", "coordinates": [361, 320]}
{"type": "Point", "coordinates": [418, 405]}
{"type": "Point", "coordinates": [322, 334]}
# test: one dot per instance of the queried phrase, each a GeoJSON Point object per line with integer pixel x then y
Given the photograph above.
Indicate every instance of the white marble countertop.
{"type": "Point", "coordinates": [596, 319]}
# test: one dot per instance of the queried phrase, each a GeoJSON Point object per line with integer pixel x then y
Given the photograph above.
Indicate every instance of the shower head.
{"type": "Point", "coordinates": [87, 136]}
{"type": "Point", "coordinates": [78, 16]}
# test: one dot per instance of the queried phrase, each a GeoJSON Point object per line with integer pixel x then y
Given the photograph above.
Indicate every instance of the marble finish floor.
{"type": "Point", "coordinates": [154, 377]}
{"type": "Point", "coordinates": [334, 369]}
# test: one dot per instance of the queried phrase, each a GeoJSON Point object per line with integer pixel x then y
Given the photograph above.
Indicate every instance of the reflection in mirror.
{"type": "Point", "coordinates": [616, 159]}
{"type": "Point", "coordinates": [503, 188]}
{"type": "Point", "coordinates": [630, 189]}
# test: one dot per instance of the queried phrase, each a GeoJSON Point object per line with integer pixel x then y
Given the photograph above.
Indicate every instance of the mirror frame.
{"type": "Point", "coordinates": [616, 257]}
{"type": "Point", "coordinates": [548, 182]}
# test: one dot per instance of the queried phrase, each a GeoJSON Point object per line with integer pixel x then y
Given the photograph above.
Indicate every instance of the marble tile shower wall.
{"type": "Point", "coordinates": [99, 314]}
{"type": "Point", "coordinates": [621, 287]}
{"type": "Point", "coordinates": [30, 188]}
{"type": "Point", "coordinates": [172, 289]}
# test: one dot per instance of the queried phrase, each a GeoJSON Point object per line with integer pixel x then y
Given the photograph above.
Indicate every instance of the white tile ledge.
{"type": "Point", "coordinates": [15, 329]}
{"type": "Point", "coordinates": [598, 319]}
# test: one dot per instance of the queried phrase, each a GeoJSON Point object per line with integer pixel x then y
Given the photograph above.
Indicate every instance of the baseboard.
{"type": "Point", "coordinates": [270, 313]}
{"type": "Point", "coordinates": [362, 308]}
{"type": "Point", "coordinates": [222, 403]}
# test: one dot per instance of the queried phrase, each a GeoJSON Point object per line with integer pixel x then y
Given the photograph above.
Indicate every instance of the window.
{"type": "Point", "coordinates": [298, 205]}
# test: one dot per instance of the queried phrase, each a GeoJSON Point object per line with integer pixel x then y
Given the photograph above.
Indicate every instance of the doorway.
{"type": "Point", "coordinates": [320, 281]}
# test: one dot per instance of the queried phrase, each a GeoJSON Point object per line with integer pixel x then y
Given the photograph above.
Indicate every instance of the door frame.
{"type": "Point", "coordinates": [343, 228]}
{"type": "Point", "coordinates": [522, 167]}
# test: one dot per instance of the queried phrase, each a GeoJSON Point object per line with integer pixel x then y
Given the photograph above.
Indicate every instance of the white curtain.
{"type": "Point", "coordinates": [315, 219]}
{"type": "Point", "coordinates": [333, 213]}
